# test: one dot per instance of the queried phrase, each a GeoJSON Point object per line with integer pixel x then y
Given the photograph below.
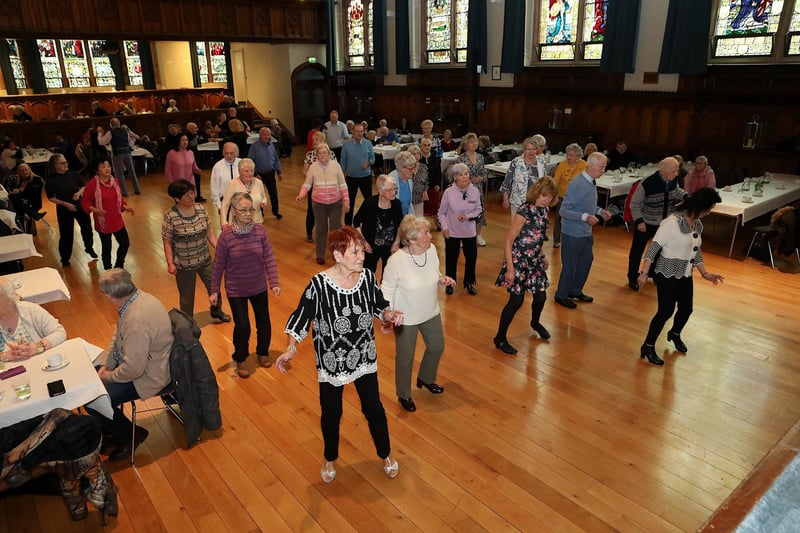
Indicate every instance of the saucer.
{"type": "Point", "coordinates": [48, 368]}
{"type": "Point", "coordinates": [750, 201]}
{"type": "Point", "coordinates": [727, 189]}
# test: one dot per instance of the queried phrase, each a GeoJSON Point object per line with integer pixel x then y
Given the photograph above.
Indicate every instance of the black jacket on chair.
{"type": "Point", "coordinates": [193, 378]}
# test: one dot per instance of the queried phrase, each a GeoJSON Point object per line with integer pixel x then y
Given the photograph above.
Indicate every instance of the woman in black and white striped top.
{"type": "Point", "coordinates": [675, 250]}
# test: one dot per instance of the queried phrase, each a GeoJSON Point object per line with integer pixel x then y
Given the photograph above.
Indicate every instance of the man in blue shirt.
{"type": "Point", "coordinates": [268, 165]}
{"type": "Point", "coordinates": [357, 160]}
{"type": "Point", "coordinates": [579, 212]}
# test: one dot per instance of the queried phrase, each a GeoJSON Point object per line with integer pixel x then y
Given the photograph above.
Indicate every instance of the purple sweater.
{"type": "Point", "coordinates": [246, 260]}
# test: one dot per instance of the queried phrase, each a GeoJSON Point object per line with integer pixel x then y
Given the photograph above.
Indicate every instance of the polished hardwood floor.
{"type": "Point", "coordinates": [576, 433]}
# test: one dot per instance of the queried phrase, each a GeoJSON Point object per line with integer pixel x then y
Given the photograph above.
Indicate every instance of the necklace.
{"type": "Point", "coordinates": [247, 186]}
{"type": "Point", "coordinates": [425, 262]}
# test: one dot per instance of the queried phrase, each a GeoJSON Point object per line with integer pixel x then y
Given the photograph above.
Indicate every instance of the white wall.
{"type": "Point", "coordinates": [174, 64]}
{"type": "Point", "coordinates": [652, 23]}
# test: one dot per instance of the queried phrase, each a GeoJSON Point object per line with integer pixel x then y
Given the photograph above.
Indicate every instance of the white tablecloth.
{"type": "Point", "coordinates": [40, 286]}
{"type": "Point", "coordinates": [773, 198]}
{"type": "Point", "coordinates": [18, 246]}
{"type": "Point", "coordinates": [387, 151]}
{"type": "Point", "coordinates": [214, 146]}
{"type": "Point", "coordinates": [38, 157]}
{"type": "Point", "coordinates": [621, 188]}
{"type": "Point", "coordinates": [10, 218]}
{"type": "Point", "coordinates": [501, 167]}
{"type": "Point", "coordinates": [81, 382]}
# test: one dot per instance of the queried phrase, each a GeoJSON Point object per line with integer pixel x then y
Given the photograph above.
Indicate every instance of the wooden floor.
{"type": "Point", "coordinates": [572, 434]}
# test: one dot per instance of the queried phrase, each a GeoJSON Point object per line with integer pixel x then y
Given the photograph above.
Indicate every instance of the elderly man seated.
{"type": "Point", "coordinates": [137, 360]}
{"type": "Point", "coordinates": [620, 156]}
{"type": "Point", "coordinates": [386, 136]}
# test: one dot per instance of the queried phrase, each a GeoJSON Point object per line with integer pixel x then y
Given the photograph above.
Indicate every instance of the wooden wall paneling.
{"type": "Point", "coordinates": [114, 18]}
{"type": "Point", "coordinates": [191, 19]}
{"type": "Point", "coordinates": [129, 16]}
{"type": "Point", "coordinates": [41, 110]}
{"type": "Point", "coordinates": [682, 128]}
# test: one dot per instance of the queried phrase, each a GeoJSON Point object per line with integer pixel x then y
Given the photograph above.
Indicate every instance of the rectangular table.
{"type": "Point", "coordinates": [610, 188]}
{"type": "Point", "coordinates": [38, 156]}
{"type": "Point", "coordinates": [81, 383]}
{"type": "Point", "coordinates": [387, 153]}
{"type": "Point", "coordinates": [773, 198]}
{"type": "Point", "coordinates": [40, 286]}
{"type": "Point", "coordinates": [18, 246]}
{"type": "Point", "coordinates": [214, 146]}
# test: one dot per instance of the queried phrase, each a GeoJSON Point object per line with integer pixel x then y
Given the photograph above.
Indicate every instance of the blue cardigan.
{"type": "Point", "coordinates": [579, 200]}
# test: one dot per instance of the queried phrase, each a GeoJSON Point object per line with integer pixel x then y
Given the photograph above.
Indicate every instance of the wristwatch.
{"type": "Point", "coordinates": [40, 348]}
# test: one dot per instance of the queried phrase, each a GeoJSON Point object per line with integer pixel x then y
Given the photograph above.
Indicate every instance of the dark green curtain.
{"type": "Point", "coordinates": [402, 40]}
{"type": "Point", "coordinates": [196, 81]}
{"type": "Point", "coordinates": [30, 50]}
{"type": "Point", "coordinates": [685, 46]}
{"type": "Point", "coordinates": [622, 29]}
{"type": "Point", "coordinates": [115, 61]}
{"type": "Point", "coordinates": [148, 68]}
{"type": "Point", "coordinates": [330, 38]}
{"type": "Point", "coordinates": [513, 56]}
{"type": "Point", "coordinates": [379, 45]}
{"type": "Point", "coordinates": [476, 37]}
{"type": "Point", "coordinates": [5, 67]}
{"type": "Point", "coordinates": [229, 69]}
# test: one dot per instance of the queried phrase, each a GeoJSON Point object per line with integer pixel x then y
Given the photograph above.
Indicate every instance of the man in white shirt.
{"type": "Point", "coordinates": [336, 134]}
{"type": "Point", "coordinates": [223, 172]}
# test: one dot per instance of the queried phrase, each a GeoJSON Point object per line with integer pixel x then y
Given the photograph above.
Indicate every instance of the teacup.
{"type": "Point", "coordinates": [55, 360]}
{"type": "Point", "coordinates": [780, 185]}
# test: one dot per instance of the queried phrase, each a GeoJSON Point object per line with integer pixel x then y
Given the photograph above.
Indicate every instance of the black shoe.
{"type": "Point", "coordinates": [140, 192]}
{"type": "Point", "coordinates": [320, 261]}
{"type": "Point", "coordinates": [676, 340]}
{"type": "Point", "coordinates": [433, 388]}
{"type": "Point", "coordinates": [91, 253]}
{"type": "Point", "coordinates": [109, 445]}
{"type": "Point", "coordinates": [566, 302]}
{"type": "Point", "coordinates": [649, 353]}
{"type": "Point", "coordinates": [546, 237]}
{"type": "Point", "coordinates": [503, 346]}
{"type": "Point", "coordinates": [471, 289]}
{"type": "Point", "coordinates": [633, 285]}
{"type": "Point", "coordinates": [65, 262]}
{"type": "Point", "coordinates": [408, 404]}
{"type": "Point", "coordinates": [278, 216]}
{"type": "Point", "coordinates": [199, 199]}
{"type": "Point", "coordinates": [540, 329]}
{"type": "Point", "coordinates": [124, 450]}
{"type": "Point", "coordinates": [448, 290]}
{"type": "Point", "coordinates": [582, 297]}
{"type": "Point", "coordinates": [219, 314]}
{"type": "Point", "coordinates": [39, 216]}
{"type": "Point", "coordinates": [309, 238]}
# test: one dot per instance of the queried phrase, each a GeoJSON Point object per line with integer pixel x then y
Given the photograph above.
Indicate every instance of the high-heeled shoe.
{"type": "Point", "coordinates": [649, 353]}
{"type": "Point", "coordinates": [540, 329]}
{"type": "Point", "coordinates": [328, 472]}
{"type": "Point", "coordinates": [680, 346]}
{"type": "Point", "coordinates": [408, 404]}
{"type": "Point", "coordinates": [390, 467]}
{"type": "Point", "coordinates": [433, 388]}
{"type": "Point", "coordinates": [502, 345]}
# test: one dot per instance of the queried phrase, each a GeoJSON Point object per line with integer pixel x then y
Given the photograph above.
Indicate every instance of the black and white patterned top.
{"type": "Point", "coordinates": [344, 337]}
{"type": "Point", "coordinates": [679, 245]}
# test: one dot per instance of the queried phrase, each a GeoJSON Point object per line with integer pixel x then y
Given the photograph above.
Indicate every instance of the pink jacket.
{"type": "Point", "coordinates": [180, 165]}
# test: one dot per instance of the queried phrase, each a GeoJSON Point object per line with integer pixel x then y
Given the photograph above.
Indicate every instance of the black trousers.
{"type": "Point", "coordinates": [241, 325]}
{"type": "Point", "coordinates": [272, 189]}
{"type": "Point", "coordinates": [198, 178]}
{"type": "Point", "coordinates": [452, 249]}
{"type": "Point", "coordinates": [66, 230]}
{"type": "Point", "coordinates": [671, 292]}
{"type": "Point", "coordinates": [353, 186]}
{"type": "Point", "coordinates": [123, 243]}
{"type": "Point", "coordinates": [379, 253]}
{"type": "Point", "coordinates": [330, 400]}
{"type": "Point", "coordinates": [309, 216]}
{"type": "Point", "coordinates": [638, 246]}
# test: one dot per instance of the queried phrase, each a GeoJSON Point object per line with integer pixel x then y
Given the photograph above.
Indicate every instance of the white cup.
{"type": "Point", "coordinates": [55, 360]}
{"type": "Point", "coordinates": [747, 199]}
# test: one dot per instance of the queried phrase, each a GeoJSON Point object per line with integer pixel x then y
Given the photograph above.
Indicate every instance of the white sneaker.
{"type": "Point", "coordinates": [480, 240]}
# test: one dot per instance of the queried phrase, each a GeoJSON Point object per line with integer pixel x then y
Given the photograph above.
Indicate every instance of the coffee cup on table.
{"type": "Point", "coordinates": [55, 360]}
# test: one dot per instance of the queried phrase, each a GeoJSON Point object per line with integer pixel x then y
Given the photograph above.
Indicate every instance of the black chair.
{"type": "Point", "coordinates": [169, 399]}
{"type": "Point", "coordinates": [507, 155]}
{"type": "Point", "coordinates": [765, 233]}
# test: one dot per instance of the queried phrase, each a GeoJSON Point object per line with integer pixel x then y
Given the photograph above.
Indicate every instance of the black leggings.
{"type": "Point", "coordinates": [671, 291]}
{"type": "Point", "coordinates": [123, 243]}
{"type": "Point", "coordinates": [513, 305]}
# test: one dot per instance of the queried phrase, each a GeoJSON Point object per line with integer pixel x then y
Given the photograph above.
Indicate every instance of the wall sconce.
{"type": "Point", "coordinates": [752, 133]}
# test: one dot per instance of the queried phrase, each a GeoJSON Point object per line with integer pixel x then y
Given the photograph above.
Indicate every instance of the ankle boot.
{"type": "Point", "coordinates": [649, 352]}
{"type": "Point", "coordinates": [216, 312]}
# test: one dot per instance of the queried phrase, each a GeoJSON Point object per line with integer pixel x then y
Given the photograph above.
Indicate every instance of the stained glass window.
{"type": "Point", "coordinates": [75, 64]}
{"type": "Point", "coordinates": [211, 62]}
{"type": "Point", "coordinates": [558, 22]}
{"type": "Point", "coordinates": [51, 66]}
{"type": "Point", "coordinates": [360, 52]}
{"type": "Point", "coordinates": [103, 75]}
{"type": "Point", "coordinates": [746, 27]}
{"type": "Point", "coordinates": [594, 28]}
{"type": "Point", "coordinates": [446, 31]}
{"type": "Point", "coordinates": [16, 64]}
{"type": "Point", "coordinates": [133, 62]}
{"type": "Point", "coordinates": [793, 48]}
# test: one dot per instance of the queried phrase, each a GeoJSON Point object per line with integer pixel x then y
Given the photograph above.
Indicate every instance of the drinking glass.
{"type": "Point", "coordinates": [22, 386]}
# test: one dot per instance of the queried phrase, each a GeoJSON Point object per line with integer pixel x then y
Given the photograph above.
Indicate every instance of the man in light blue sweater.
{"type": "Point", "coordinates": [579, 212]}
{"type": "Point", "coordinates": [357, 160]}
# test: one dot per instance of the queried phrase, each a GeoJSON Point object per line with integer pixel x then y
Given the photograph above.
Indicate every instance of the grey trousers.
{"type": "Point", "coordinates": [405, 342]}
{"type": "Point", "coordinates": [186, 280]}
{"type": "Point", "coordinates": [327, 217]}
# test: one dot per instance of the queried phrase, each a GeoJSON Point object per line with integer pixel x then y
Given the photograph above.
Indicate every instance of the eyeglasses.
{"type": "Point", "coordinates": [390, 189]}
{"type": "Point", "coordinates": [245, 210]}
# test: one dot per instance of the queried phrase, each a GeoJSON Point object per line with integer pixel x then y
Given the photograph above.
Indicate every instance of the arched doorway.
{"type": "Point", "coordinates": [311, 97]}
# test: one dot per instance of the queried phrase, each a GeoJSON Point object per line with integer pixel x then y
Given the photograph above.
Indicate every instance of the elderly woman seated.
{"type": "Point", "coordinates": [700, 176]}
{"type": "Point", "coordinates": [26, 329]}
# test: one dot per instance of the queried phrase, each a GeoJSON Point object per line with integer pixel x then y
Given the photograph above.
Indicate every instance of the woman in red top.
{"type": "Point", "coordinates": [102, 198]}
{"type": "Point", "coordinates": [180, 164]}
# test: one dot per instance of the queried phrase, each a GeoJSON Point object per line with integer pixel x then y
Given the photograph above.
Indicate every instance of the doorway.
{"type": "Point", "coordinates": [311, 97]}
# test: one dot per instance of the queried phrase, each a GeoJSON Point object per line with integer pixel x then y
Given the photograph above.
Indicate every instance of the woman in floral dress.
{"type": "Point", "coordinates": [525, 266]}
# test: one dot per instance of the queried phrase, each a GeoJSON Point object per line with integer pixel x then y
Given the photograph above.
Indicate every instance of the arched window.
{"type": "Point", "coordinates": [133, 61]}
{"type": "Point", "coordinates": [571, 29]}
{"type": "Point", "coordinates": [16, 64]}
{"type": "Point", "coordinates": [359, 47]}
{"type": "Point", "coordinates": [756, 29]}
{"type": "Point", "coordinates": [211, 59]}
{"type": "Point", "coordinates": [446, 31]}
